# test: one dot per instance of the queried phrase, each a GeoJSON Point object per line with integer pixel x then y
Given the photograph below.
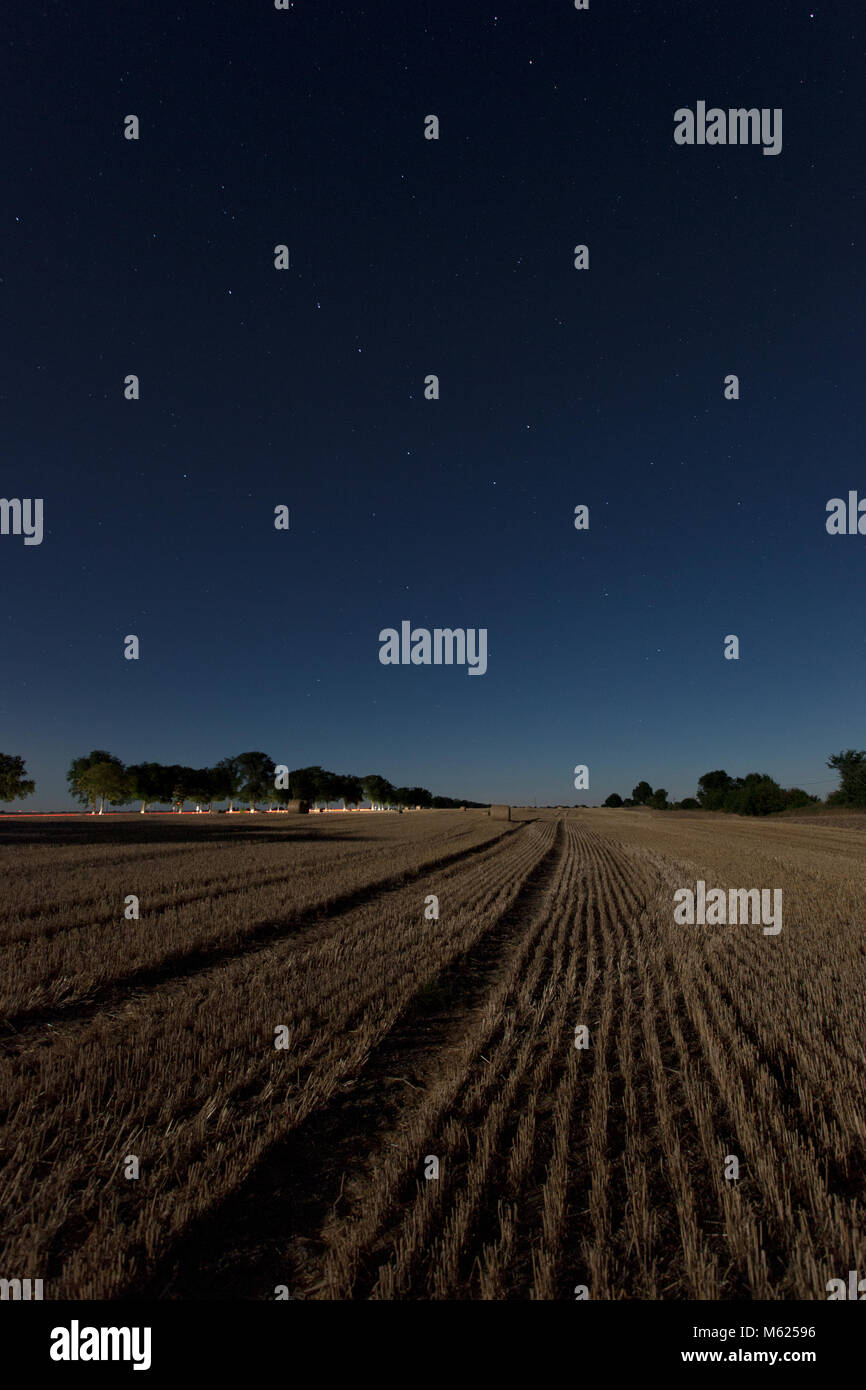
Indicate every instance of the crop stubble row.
{"type": "Point", "coordinates": [559, 1167]}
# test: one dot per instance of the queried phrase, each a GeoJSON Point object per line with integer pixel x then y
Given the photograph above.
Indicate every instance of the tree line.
{"type": "Point", "coordinates": [756, 794]}
{"type": "Point", "coordinates": [251, 778]}
{"type": "Point", "coordinates": [100, 778]}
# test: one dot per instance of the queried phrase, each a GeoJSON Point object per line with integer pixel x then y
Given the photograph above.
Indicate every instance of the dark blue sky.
{"type": "Point", "coordinates": [558, 387]}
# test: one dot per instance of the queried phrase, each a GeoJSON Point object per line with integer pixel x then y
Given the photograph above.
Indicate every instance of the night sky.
{"type": "Point", "coordinates": [559, 387]}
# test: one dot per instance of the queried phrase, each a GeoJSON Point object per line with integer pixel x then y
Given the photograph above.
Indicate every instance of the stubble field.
{"type": "Point", "coordinates": [408, 1038]}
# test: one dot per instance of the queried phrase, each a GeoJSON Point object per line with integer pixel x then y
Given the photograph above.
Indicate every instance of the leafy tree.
{"type": "Point", "coordinates": [315, 784]}
{"type": "Point", "coordinates": [13, 783]}
{"type": "Point", "coordinates": [327, 787]}
{"type": "Point", "coordinates": [613, 800]}
{"type": "Point", "coordinates": [303, 783]}
{"type": "Point", "coordinates": [89, 793]}
{"type": "Point", "coordinates": [148, 783]}
{"type": "Point", "coordinates": [757, 795]}
{"type": "Point", "coordinates": [276, 796]}
{"type": "Point", "coordinates": [659, 799]}
{"type": "Point", "coordinates": [230, 781]}
{"type": "Point", "coordinates": [224, 781]}
{"type": "Point", "coordinates": [351, 790]}
{"type": "Point", "coordinates": [629, 801]}
{"type": "Point", "coordinates": [642, 793]}
{"type": "Point", "coordinates": [183, 783]}
{"type": "Point", "coordinates": [419, 796]}
{"type": "Point", "coordinates": [713, 789]}
{"type": "Point", "coordinates": [201, 790]}
{"type": "Point", "coordinates": [689, 803]}
{"type": "Point", "coordinates": [378, 790]}
{"type": "Point", "coordinates": [851, 766]}
{"type": "Point", "coordinates": [107, 782]}
{"type": "Point", "coordinates": [257, 776]}
{"type": "Point", "coordinates": [796, 797]}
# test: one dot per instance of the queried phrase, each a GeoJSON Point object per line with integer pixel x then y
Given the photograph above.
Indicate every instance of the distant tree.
{"type": "Point", "coordinates": [224, 781]}
{"type": "Point", "coordinates": [629, 801]}
{"type": "Point", "coordinates": [689, 803]}
{"type": "Point", "coordinates": [201, 790]}
{"type": "Point", "coordinates": [419, 796]}
{"type": "Point", "coordinates": [642, 793]}
{"type": "Point", "coordinates": [232, 781]}
{"type": "Point", "coordinates": [257, 776]}
{"type": "Point", "coordinates": [327, 787]}
{"type": "Point", "coordinates": [276, 796]}
{"type": "Point", "coordinates": [147, 783]}
{"type": "Point", "coordinates": [851, 766]}
{"type": "Point", "coordinates": [795, 797]}
{"type": "Point", "coordinates": [88, 792]}
{"type": "Point", "coordinates": [183, 784]}
{"type": "Point", "coordinates": [757, 795]}
{"type": "Point", "coordinates": [713, 789]}
{"type": "Point", "coordinates": [659, 799]}
{"type": "Point", "coordinates": [378, 790]}
{"type": "Point", "coordinates": [613, 800]}
{"type": "Point", "coordinates": [107, 782]}
{"type": "Point", "coordinates": [314, 784]}
{"type": "Point", "coordinates": [14, 785]}
{"type": "Point", "coordinates": [351, 790]}
{"type": "Point", "coordinates": [303, 783]}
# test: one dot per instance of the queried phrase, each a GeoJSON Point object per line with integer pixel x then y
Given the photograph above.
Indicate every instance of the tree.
{"type": "Point", "coordinates": [642, 793]}
{"type": "Point", "coordinates": [613, 800]}
{"type": "Point", "coordinates": [378, 790]}
{"type": "Point", "coordinates": [796, 797]}
{"type": "Point", "coordinates": [201, 789]}
{"type": "Point", "coordinates": [276, 796]}
{"type": "Point", "coordinates": [107, 782]}
{"type": "Point", "coordinates": [419, 796]}
{"type": "Point", "coordinates": [257, 776]}
{"type": "Point", "coordinates": [757, 795]}
{"type": "Point", "coordinates": [13, 784]}
{"type": "Point", "coordinates": [690, 803]}
{"type": "Point", "coordinates": [350, 790]}
{"type": "Point", "coordinates": [183, 782]}
{"type": "Point", "coordinates": [148, 783]}
{"type": "Point", "coordinates": [659, 799]}
{"type": "Point", "coordinates": [230, 781]}
{"type": "Point", "coordinates": [327, 787]}
{"type": "Point", "coordinates": [713, 790]}
{"type": "Point", "coordinates": [304, 783]}
{"type": "Point", "coordinates": [629, 802]}
{"type": "Point", "coordinates": [851, 766]}
{"type": "Point", "coordinates": [89, 793]}
{"type": "Point", "coordinates": [224, 782]}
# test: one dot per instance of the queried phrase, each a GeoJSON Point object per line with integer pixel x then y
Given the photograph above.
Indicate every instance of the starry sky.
{"type": "Point", "coordinates": [558, 387]}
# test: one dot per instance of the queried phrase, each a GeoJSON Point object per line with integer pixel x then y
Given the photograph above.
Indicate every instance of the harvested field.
{"type": "Point", "coordinates": [408, 1036]}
